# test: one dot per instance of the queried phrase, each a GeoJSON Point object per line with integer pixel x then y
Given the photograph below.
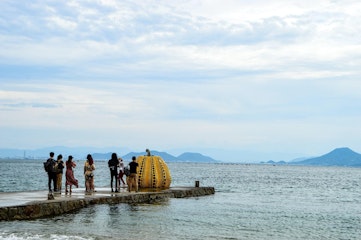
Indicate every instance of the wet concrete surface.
{"type": "Point", "coordinates": [9, 199]}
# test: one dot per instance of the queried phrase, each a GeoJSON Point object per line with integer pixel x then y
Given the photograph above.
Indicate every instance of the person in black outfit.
{"type": "Point", "coordinates": [52, 173]}
{"type": "Point", "coordinates": [113, 166]}
{"type": "Point", "coordinates": [59, 171]}
{"type": "Point", "coordinates": [132, 180]}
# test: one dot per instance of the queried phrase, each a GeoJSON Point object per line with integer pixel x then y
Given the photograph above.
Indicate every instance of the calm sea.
{"type": "Point", "coordinates": [251, 202]}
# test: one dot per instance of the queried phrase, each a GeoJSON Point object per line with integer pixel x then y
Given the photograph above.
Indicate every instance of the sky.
{"type": "Point", "coordinates": [236, 80]}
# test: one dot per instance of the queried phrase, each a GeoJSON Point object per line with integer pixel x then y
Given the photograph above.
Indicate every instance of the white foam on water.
{"type": "Point", "coordinates": [27, 236]}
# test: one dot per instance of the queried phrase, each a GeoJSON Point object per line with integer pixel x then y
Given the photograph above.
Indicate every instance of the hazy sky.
{"type": "Point", "coordinates": [279, 77]}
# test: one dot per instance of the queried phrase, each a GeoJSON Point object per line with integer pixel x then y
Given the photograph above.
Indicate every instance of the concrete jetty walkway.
{"type": "Point", "coordinates": [35, 204]}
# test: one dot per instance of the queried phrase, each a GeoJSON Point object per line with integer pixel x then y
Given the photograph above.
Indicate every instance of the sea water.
{"type": "Point", "coordinates": [251, 202]}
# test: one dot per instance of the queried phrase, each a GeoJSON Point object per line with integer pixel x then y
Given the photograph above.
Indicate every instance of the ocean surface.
{"type": "Point", "coordinates": [251, 202]}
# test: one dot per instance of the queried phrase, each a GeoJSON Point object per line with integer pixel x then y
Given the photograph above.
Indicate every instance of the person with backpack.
{"type": "Point", "coordinates": [113, 167]}
{"type": "Point", "coordinates": [50, 169]}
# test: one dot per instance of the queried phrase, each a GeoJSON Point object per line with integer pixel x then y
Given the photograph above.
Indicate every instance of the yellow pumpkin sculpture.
{"type": "Point", "coordinates": [153, 172]}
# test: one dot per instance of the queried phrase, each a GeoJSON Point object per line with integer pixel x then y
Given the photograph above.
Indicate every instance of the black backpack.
{"type": "Point", "coordinates": [113, 164]}
{"type": "Point", "coordinates": [48, 165]}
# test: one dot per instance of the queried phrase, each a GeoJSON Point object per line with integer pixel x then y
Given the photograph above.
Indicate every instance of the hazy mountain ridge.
{"type": "Point", "coordinates": [99, 154]}
{"type": "Point", "coordinates": [338, 157]}
{"type": "Point", "coordinates": [190, 157]}
{"type": "Point", "coordinates": [184, 157]}
{"type": "Point", "coordinates": [166, 156]}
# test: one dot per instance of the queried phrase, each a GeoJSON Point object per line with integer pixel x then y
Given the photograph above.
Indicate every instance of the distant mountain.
{"type": "Point", "coordinates": [185, 157]}
{"type": "Point", "coordinates": [337, 157]}
{"type": "Point", "coordinates": [195, 157]}
{"type": "Point", "coordinates": [274, 163]}
{"type": "Point", "coordinates": [166, 156]}
{"type": "Point", "coordinates": [41, 153]}
{"type": "Point", "coordinates": [97, 154]}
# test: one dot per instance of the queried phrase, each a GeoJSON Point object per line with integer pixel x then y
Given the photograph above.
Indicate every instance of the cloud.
{"type": "Point", "coordinates": [149, 38]}
{"type": "Point", "coordinates": [226, 74]}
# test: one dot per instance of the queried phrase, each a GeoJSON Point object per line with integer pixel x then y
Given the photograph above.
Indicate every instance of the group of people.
{"type": "Point", "coordinates": [55, 169]}
{"type": "Point", "coordinates": [116, 176]}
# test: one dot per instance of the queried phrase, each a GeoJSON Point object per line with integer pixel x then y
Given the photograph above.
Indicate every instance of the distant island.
{"type": "Point", "coordinates": [184, 157]}
{"type": "Point", "coordinates": [80, 153]}
{"type": "Point", "coordinates": [337, 157]}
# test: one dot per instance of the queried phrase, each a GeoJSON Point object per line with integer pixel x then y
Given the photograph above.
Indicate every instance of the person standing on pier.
{"type": "Point", "coordinates": [59, 172]}
{"type": "Point", "coordinates": [113, 166]}
{"type": "Point", "coordinates": [132, 180]}
{"type": "Point", "coordinates": [89, 167]}
{"type": "Point", "coordinates": [50, 168]}
{"type": "Point", "coordinates": [69, 174]}
{"type": "Point", "coordinates": [121, 172]}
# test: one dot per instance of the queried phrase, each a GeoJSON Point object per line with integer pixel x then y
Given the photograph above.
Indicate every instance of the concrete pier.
{"type": "Point", "coordinates": [32, 205]}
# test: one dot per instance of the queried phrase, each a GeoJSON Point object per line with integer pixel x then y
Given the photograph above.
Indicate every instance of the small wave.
{"type": "Point", "coordinates": [27, 236]}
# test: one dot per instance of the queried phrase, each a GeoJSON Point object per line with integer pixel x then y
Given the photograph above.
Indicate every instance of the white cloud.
{"type": "Point", "coordinates": [246, 74]}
